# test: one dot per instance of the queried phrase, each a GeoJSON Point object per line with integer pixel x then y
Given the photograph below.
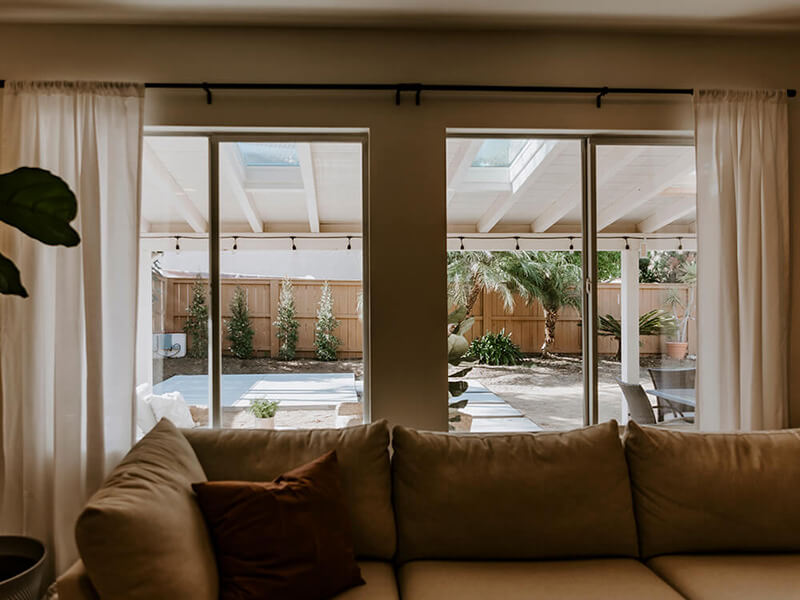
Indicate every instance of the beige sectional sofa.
{"type": "Point", "coordinates": [579, 514]}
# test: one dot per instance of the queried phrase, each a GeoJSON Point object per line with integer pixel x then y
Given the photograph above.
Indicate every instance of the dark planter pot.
{"type": "Point", "coordinates": [21, 567]}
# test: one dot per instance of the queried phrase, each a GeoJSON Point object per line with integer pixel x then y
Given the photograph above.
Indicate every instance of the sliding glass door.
{"type": "Point", "coordinates": [570, 274]}
{"type": "Point", "coordinates": [252, 305]}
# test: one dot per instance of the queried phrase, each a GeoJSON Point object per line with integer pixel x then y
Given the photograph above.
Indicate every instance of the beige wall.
{"type": "Point", "coordinates": [406, 147]}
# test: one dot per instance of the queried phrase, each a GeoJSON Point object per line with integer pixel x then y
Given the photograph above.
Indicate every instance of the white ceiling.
{"type": "Point", "coordinates": [493, 186]}
{"type": "Point", "coordinates": [722, 15]}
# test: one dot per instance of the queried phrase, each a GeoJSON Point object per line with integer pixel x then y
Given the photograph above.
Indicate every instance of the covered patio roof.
{"type": "Point", "coordinates": [501, 193]}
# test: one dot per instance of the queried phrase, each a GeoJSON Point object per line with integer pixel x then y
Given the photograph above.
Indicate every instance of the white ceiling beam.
{"type": "Point", "coordinates": [677, 207]}
{"type": "Point", "coordinates": [655, 184]}
{"type": "Point", "coordinates": [534, 160]}
{"type": "Point", "coordinates": [306, 160]}
{"type": "Point", "coordinates": [458, 168]}
{"type": "Point", "coordinates": [188, 210]}
{"type": "Point", "coordinates": [233, 176]}
{"type": "Point", "coordinates": [622, 157]}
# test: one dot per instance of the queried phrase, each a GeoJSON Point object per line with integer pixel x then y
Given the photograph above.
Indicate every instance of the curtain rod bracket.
{"type": "Point", "coordinates": [408, 87]}
{"type": "Point", "coordinates": [599, 99]}
{"type": "Point", "coordinates": [207, 90]}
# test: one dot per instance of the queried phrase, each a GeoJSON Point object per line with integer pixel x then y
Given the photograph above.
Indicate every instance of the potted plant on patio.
{"type": "Point", "coordinates": [679, 345]}
{"type": "Point", "coordinates": [264, 412]}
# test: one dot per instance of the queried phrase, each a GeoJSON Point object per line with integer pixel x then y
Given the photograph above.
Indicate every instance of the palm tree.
{"type": "Point", "coordinates": [471, 272]}
{"type": "Point", "coordinates": [547, 277]}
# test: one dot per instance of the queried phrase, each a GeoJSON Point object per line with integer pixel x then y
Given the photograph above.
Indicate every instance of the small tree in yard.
{"type": "Point", "coordinates": [196, 325]}
{"type": "Point", "coordinates": [287, 323]}
{"type": "Point", "coordinates": [325, 342]}
{"type": "Point", "coordinates": [240, 331]}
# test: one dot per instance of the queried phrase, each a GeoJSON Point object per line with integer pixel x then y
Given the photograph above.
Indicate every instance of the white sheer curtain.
{"type": "Point", "coordinates": [67, 352]}
{"type": "Point", "coordinates": [743, 259]}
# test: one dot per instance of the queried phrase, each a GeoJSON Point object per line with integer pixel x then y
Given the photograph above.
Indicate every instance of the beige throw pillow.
{"type": "Point", "coordinates": [142, 535]}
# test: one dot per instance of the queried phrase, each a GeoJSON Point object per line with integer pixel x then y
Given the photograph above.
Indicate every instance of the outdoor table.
{"type": "Point", "coordinates": [683, 396]}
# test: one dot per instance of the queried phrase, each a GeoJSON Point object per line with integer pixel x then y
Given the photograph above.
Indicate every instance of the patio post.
{"type": "Point", "coordinates": [629, 320]}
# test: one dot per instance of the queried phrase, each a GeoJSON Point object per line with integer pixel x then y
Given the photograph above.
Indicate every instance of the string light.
{"type": "Point", "coordinates": [462, 242]}
{"type": "Point", "coordinates": [571, 246]}
{"type": "Point", "coordinates": [516, 239]}
{"type": "Point", "coordinates": [235, 243]}
{"type": "Point", "coordinates": [627, 245]}
{"type": "Point", "coordinates": [349, 247]}
{"type": "Point", "coordinates": [680, 244]}
{"type": "Point", "coordinates": [177, 245]}
{"type": "Point", "coordinates": [293, 245]}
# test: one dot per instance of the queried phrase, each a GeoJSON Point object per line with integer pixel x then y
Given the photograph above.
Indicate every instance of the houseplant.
{"type": "Point", "coordinates": [40, 205]}
{"type": "Point", "coordinates": [264, 412]}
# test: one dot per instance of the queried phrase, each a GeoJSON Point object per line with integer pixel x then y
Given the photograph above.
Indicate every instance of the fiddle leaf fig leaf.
{"type": "Point", "coordinates": [10, 282]}
{"type": "Point", "coordinates": [40, 205]}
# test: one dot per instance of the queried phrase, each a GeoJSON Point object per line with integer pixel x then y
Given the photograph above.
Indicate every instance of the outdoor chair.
{"type": "Point", "coordinates": [639, 407]}
{"type": "Point", "coordinates": [680, 378]}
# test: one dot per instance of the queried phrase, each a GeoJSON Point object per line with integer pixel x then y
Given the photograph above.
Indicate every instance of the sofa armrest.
{"type": "Point", "coordinates": [75, 584]}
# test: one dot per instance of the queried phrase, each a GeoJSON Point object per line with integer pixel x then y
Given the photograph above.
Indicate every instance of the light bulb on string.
{"type": "Point", "coordinates": [349, 246]}
{"type": "Point", "coordinates": [680, 244]}
{"type": "Point", "coordinates": [627, 245]}
{"type": "Point", "coordinates": [177, 245]}
{"type": "Point", "coordinates": [571, 245]}
{"type": "Point", "coordinates": [235, 244]}
{"type": "Point", "coordinates": [516, 244]}
{"type": "Point", "coordinates": [462, 242]}
{"type": "Point", "coordinates": [293, 244]}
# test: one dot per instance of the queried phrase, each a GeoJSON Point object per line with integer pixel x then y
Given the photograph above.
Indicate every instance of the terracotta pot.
{"type": "Point", "coordinates": [677, 350]}
{"type": "Point", "coordinates": [267, 423]}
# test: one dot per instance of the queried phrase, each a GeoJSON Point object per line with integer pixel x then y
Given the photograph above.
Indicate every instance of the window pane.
{"type": "Point", "coordinates": [647, 310]}
{"type": "Point", "coordinates": [514, 272]}
{"type": "Point", "coordinates": [291, 273]}
{"type": "Point", "coordinates": [172, 346]}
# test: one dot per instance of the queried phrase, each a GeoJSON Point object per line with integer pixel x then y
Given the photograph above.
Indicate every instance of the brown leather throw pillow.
{"type": "Point", "coordinates": [288, 538]}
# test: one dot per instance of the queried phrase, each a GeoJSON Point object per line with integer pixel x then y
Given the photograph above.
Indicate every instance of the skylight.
{"type": "Point", "coordinates": [262, 154]}
{"type": "Point", "coordinates": [498, 153]}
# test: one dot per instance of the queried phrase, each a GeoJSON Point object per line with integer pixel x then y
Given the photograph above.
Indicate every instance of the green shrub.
{"type": "Point", "coordinates": [263, 408]}
{"type": "Point", "coordinates": [325, 342]}
{"type": "Point", "coordinates": [196, 325]}
{"type": "Point", "coordinates": [240, 331]}
{"type": "Point", "coordinates": [495, 349]}
{"type": "Point", "coordinates": [287, 322]}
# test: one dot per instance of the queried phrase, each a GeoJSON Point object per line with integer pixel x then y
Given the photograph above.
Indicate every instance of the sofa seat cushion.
{"type": "Point", "coordinates": [621, 579]}
{"type": "Point", "coordinates": [731, 576]}
{"type": "Point", "coordinates": [715, 493]}
{"type": "Point", "coordinates": [523, 496]}
{"type": "Point", "coordinates": [380, 583]}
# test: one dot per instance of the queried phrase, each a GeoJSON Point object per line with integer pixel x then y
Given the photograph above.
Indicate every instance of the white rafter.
{"type": "Point", "coordinates": [306, 160]}
{"type": "Point", "coordinates": [188, 210]}
{"type": "Point", "coordinates": [655, 184]}
{"type": "Point", "coordinates": [532, 162]}
{"type": "Point", "coordinates": [233, 176]}
{"type": "Point", "coordinates": [677, 206]}
{"type": "Point", "coordinates": [572, 197]}
{"type": "Point", "coordinates": [457, 170]}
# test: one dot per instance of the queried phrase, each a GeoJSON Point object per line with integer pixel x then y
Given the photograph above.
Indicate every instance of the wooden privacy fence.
{"type": "Point", "coordinates": [526, 323]}
{"type": "Point", "coordinates": [171, 297]}
{"type": "Point", "coordinates": [262, 302]}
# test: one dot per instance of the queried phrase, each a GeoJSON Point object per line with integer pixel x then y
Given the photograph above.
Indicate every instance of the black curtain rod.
{"type": "Point", "coordinates": [418, 88]}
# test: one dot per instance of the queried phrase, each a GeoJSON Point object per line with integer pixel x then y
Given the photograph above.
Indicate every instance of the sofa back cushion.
{"type": "Point", "coordinates": [704, 492]}
{"type": "Point", "coordinates": [363, 457]}
{"type": "Point", "coordinates": [142, 535]}
{"type": "Point", "coordinates": [512, 497]}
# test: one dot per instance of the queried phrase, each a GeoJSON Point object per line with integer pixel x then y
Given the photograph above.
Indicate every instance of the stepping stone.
{"type": "Point", "coordinates": [490, 411]}
{"type": "Point", "coordinates": [510, 425]}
